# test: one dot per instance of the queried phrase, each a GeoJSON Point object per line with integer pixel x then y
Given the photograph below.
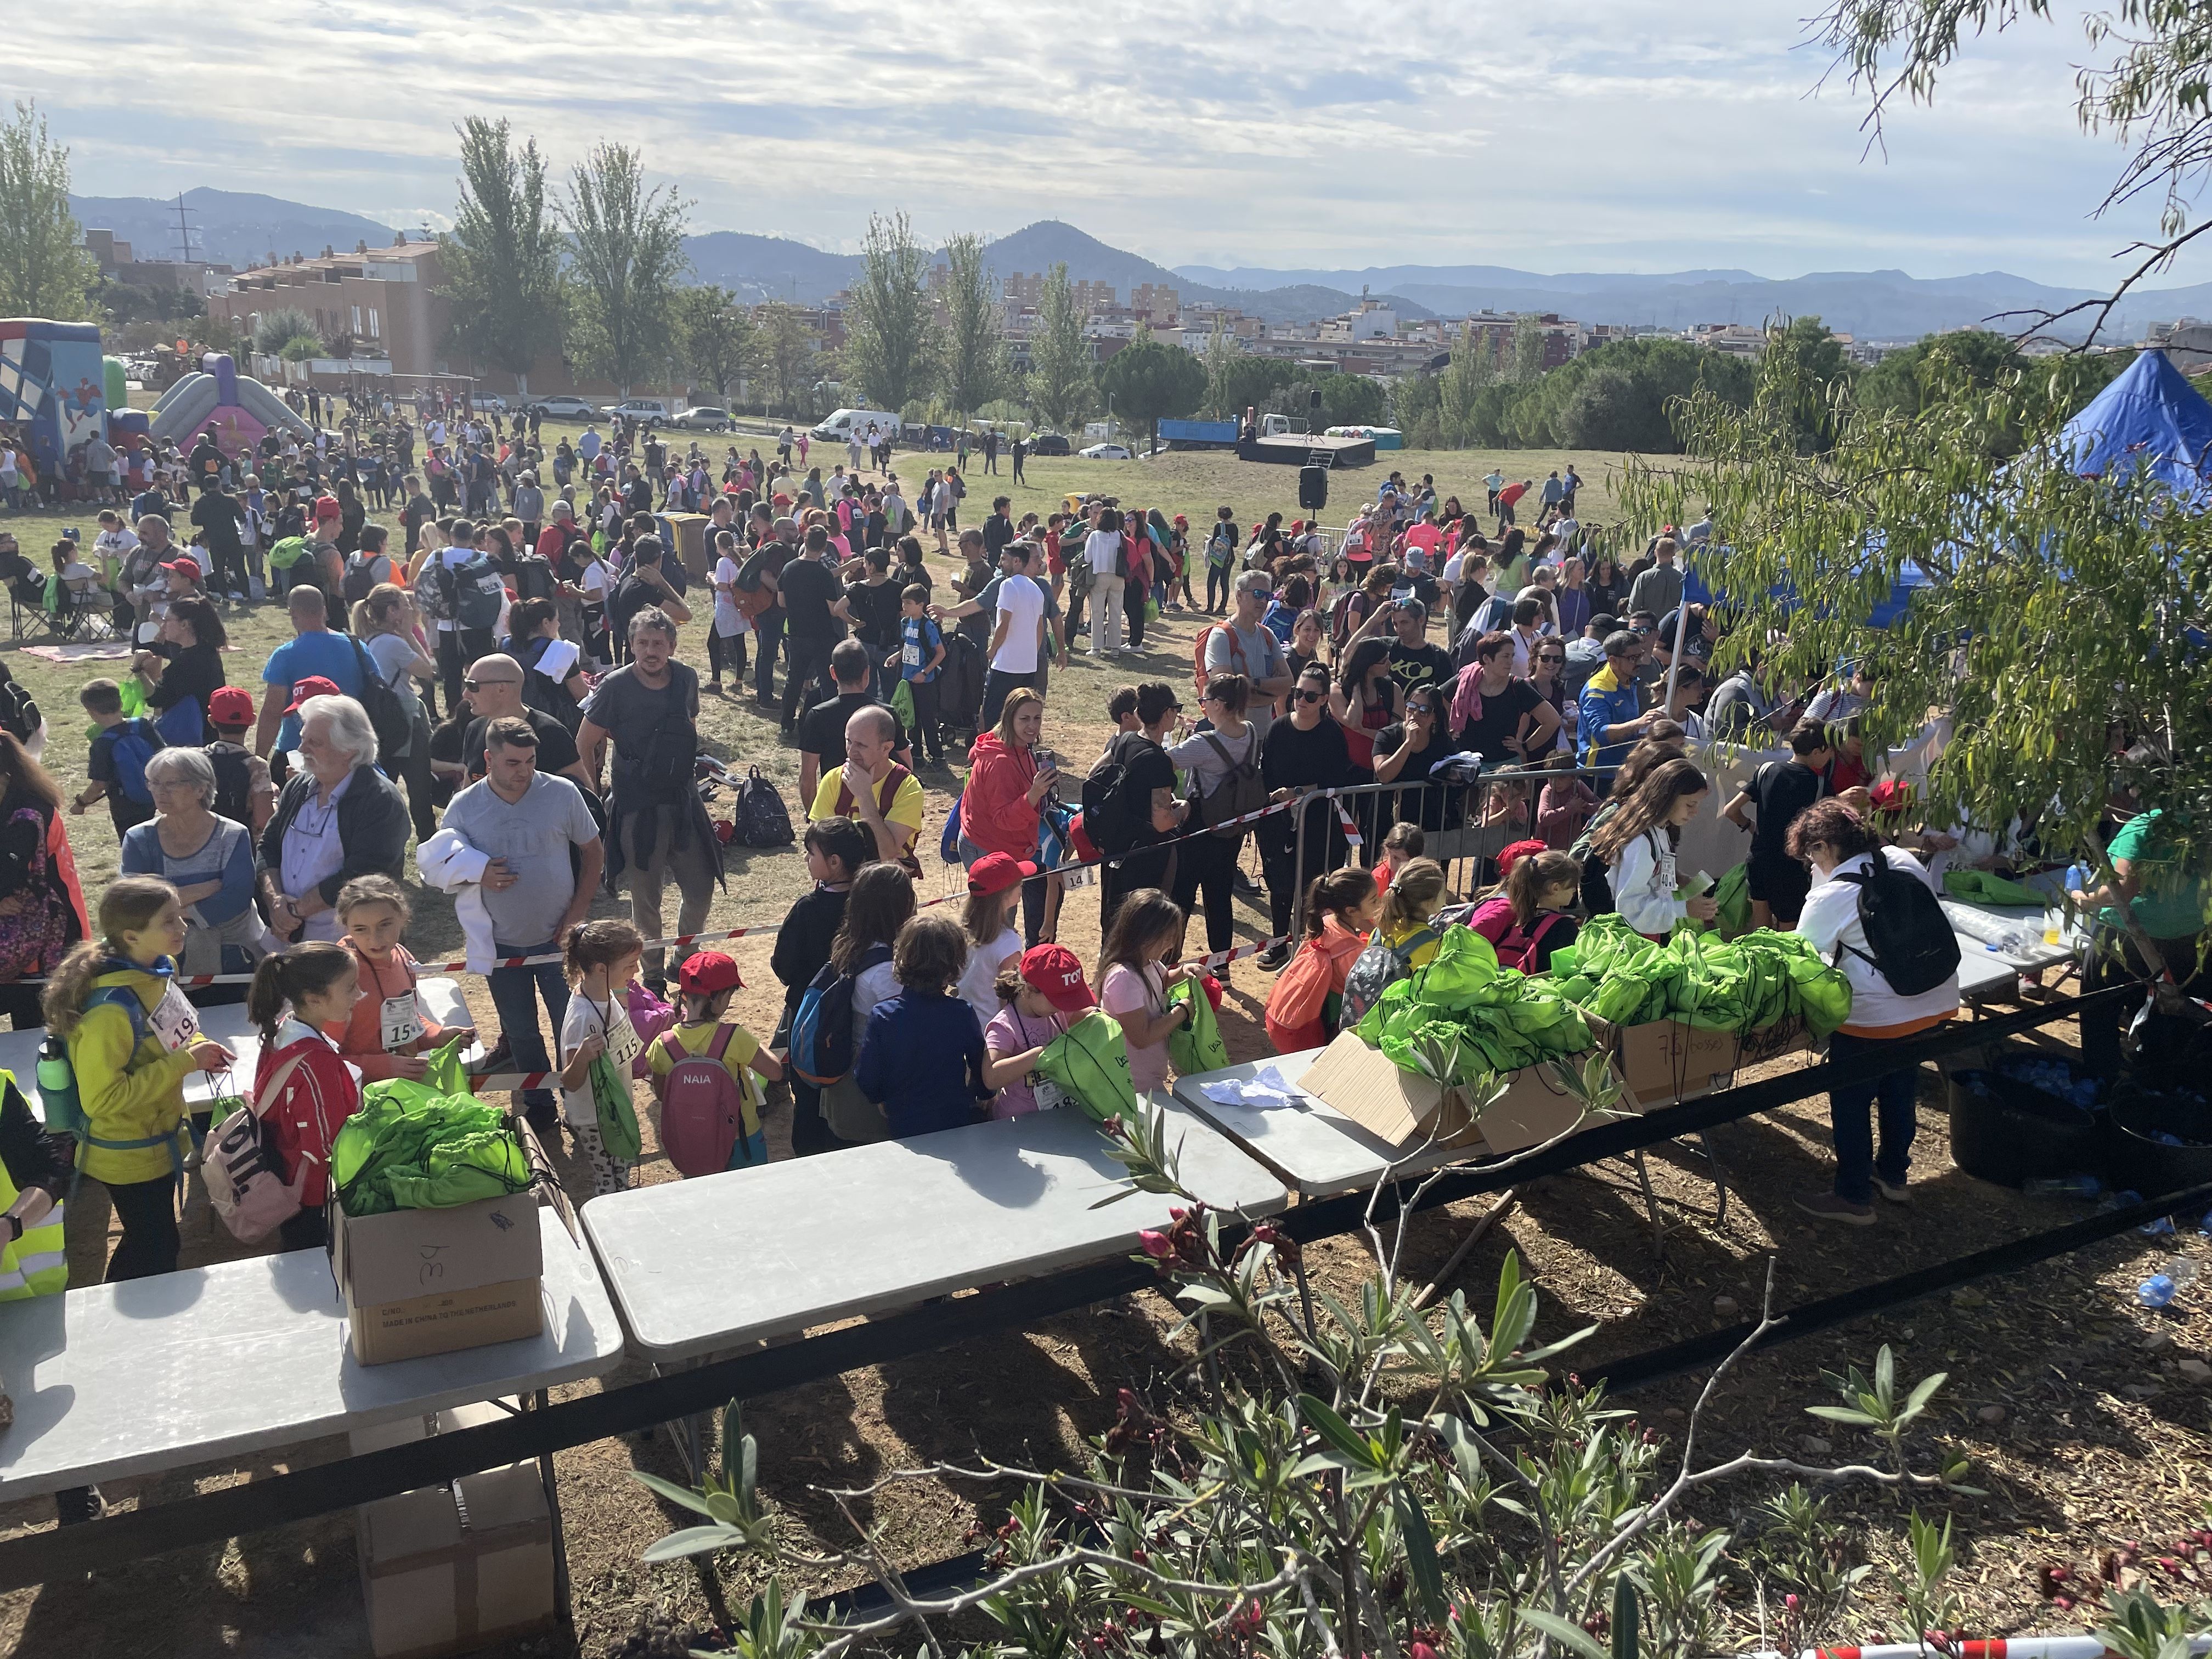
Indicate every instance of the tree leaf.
{"type": "Point", "coordinates": [674, 1493]}
{"type": "Point", "coordinates": [1562, 1631]}
{"type": "Point", "coordinates": [1421, 1563]}
{"type": "Point", "coordinates": [1322, 1419]}
{"type": "Point", "coordinates": [692, 1540]}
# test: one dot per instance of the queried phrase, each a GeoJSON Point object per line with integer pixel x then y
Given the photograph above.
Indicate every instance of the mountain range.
{"type": "Point", "coordinates": [236, 228]}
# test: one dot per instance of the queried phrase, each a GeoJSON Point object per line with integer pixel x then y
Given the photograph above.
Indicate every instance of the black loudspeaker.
{"type": "Point", "coordinates": [1312, 398]}
{"type": "Point", "coordinates": [1313, 488]}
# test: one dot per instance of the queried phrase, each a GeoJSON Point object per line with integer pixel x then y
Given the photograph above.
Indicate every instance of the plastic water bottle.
{"type": "Point", "coordinates": [2072, 1186]}
{"type": "Point", "coordinates": [2155, 1291]}
{"type": "Point", "coordinates": [2159, 1226]}
{"type": "Point", "coordinates": [2018, 941]}
{"type": "Point", "coordinates": [2183, 1271]}
{"type": "Point", "coordinates": [57, 1088]}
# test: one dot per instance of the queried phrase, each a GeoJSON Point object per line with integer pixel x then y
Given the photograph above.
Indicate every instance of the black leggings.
{"type": "Point", "coordinates": [730, 650]}
{"type": "Point", "coordinates": [148, 1210]}
{"type": "Point", "coordinates": [1218, 578]}
{"type": "Point", "coordinates": [1204, 865]}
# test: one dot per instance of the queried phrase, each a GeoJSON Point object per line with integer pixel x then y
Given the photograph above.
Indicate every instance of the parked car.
{"type": "Point", "coordinates": [485, 404]}
{"type": "Point", "coordinates": [1048, 443]}
{"type": "Point", "coordinates": [641, 409]}
{"type": "Point", "coordinates": [705, 418]}
{"type": "Point", "coordinates": [566, 407]}
{"type": "Point", "coordinates": [1109, 453]}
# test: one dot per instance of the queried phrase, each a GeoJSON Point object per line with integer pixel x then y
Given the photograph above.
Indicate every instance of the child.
{"type": "Point", "coordinates": [386, 1033]}
{"type": "Point", "coordinates": [1303, 1008]}
{"type": "Point", "coordinates": [244, 791]}
{"type": "Point", "coordinates": [1563, 809]}
{"type": "Point", "coordinates": [1637, 845]}
{"type": "Point", "coordinates": [994, 946]}
{"type": "Point", "coordinates": [116, 762]}
{"type": "Point", "coordinates": [1526, 920]}
{"type": "Point", "coordinates": [836, 850]}
{"type": "Point", "coordinates": [921, 1058]}
{"type": "Point", "coordinates": [600, 959]}
{"type": "Point", "coordinates": [1416, 893]}
{"type": "Point", "coordinates": [1146, 933]}
{"type": "Point", "coordinates": [131, 1062]}
{"type": "Point", "coordinates": [919, 656]}
{"type": "Point", "coordinates": [303, 1091]}
{"type": "Point", "coordinates": [1034, 1001]}
{"type": "Point", "coordinates": [708, 980]}
{"type": "Point", "coordinates": [881, 903]}
{"type": "Point", "coordinates": [1404, 841]}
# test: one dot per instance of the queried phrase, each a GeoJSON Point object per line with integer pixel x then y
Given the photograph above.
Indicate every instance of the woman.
{"type": "Point", "coordinates": [1102, 553]}
{"type": "Point", "coordinates": [42, 911]}
{"type": "Point", "coordinates": [386, 624]}
{"type": "Point", "coordinates": [1608, 589]}
{"type": "Point", "coordinates": [1571, 600]}
{"type": "Point", "coordinates": [352, 515]}
{"type": "Point", "coordinates": [337, 817]}
{"type": "Point", "coordinates": [1004, 792]}
{"type": "Point", "coordinates": [1497, 715]}
{"type": "Point", "coordinates": [1547, 663]}
{"type": "Point", "coordinates": [185, 663]}
{"type": "Point", "coordinates": [1304, 651]}
{"type": "Point", "coordinates": [1841, 849]}
{"type": "Point", "coordinates": [1218, 763]}
{"type": "Point", "coordinates": [207, 859]}
{"type": "Point", "coordinates": [1638, 844]}
{"type": "Point", "coordinates": [1409, 752]}
{"type": "Point", "coordinates": [1307, 751]}
{"type": "Point", "coordinates": [1366, 699]}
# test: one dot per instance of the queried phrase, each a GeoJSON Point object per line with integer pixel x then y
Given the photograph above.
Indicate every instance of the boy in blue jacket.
{"type": "Point", "coordinates": [922, 1056]}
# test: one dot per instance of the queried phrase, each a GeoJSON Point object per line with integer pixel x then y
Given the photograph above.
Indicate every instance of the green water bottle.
{"type": "Point", "coordinates": [64, 1113]}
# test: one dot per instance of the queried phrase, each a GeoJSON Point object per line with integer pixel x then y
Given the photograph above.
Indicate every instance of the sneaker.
{"type": "Point", "coordinates": [1895, 1191]}
{"type": "Point", "coordinates": [1827, 1206]}
{"type": "Point", "coordinates": [1273, 956]}
{"type": "Point", "coordinates": [1243, 886]}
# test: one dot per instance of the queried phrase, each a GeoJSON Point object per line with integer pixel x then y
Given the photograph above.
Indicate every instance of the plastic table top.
{"type": "Point", "coordinates": [699, 1266]}
{"type": "Point", "coordinates": [1310, 1145]}
{"type": "Point", "coordinates": [225, 1361]}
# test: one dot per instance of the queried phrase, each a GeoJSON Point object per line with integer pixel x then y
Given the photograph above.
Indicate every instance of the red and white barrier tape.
{"type": "Point", "coordinates": [1351, 829]}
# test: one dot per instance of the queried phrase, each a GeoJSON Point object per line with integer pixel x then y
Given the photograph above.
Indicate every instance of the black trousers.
{"type": "Point", "coordinates": [731, 651]}
{"type": "Point", "coordinates": [925, 731]}
{"type": "Point", "coordinates": [148, 1210]}
{"type": "Point", "coordinates": [810, 662]}
{"type": "Point", "coordinates": [1204, 865]}
{"type": "Point", "coordinates": [1287, 875]}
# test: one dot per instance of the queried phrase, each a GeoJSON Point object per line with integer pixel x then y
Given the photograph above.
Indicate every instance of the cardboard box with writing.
{"type": "Point", "coordinates": [1664, 1061]}
{"type": "Point", "coordinates": [1368, 1087]}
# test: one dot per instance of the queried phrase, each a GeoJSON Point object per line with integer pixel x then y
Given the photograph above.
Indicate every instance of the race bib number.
{"type": "Point", "coordinates": [623, 1043]}
{"type": "Point", "coordinates": [1050, 1097]}
{"type": "Point", "coordinates": [910, 654]}
{"type": "Point", "coordinates": [399, 1024]}
{"type": "Point", "coordinates": [175, 1021]}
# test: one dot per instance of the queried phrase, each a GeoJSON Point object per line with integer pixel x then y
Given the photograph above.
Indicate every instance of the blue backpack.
{"type": "Point", "coordinates": [948, 844]}
{"type": "Point", "coordinates": [136, 742]}
{"type": "Point", "coordinates": [822, 1029]}
{"type": "Point", "coordinates": [181, 724]}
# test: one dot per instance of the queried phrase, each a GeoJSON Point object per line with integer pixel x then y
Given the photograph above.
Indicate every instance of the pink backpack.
{"type": "Point", "coordinates": [245, 1171]}
{"type": "Point", "coordinates": [1493, 920]}
{"type": "Point", "coordinates": [702, 1107]}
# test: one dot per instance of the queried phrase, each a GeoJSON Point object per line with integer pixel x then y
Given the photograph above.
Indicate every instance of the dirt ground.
{"type": "Point", "coordinates": [2099, 1440]}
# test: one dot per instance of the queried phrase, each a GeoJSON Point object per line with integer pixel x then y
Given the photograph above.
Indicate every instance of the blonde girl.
{"type": "Point", "coordinates": [133, 1039]}
{"type": "Point", "coordinates": [600, 959]}
{"type": "Point", "coordinates": [1415, 894]}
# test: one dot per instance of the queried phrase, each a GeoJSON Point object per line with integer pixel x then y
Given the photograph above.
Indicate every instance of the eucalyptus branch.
{"type": "Point", "coordinates": [2159, 257]}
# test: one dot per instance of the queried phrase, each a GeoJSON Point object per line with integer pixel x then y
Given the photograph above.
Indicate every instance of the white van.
{"type": "Point", "coordinates": [846, 424]}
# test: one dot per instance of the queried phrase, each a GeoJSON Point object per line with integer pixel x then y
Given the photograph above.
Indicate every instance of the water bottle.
{"type": "Point", "coordinates": [2018, 941]}
{"type": "Point", "coordinates": [2159, 1226]}
{"type": "Point", "coordinates": [57, 1095]}
{"type": "Point", "coordinates": [2155, 1291]}
{"type": "Point", "coordinates": [2072, 1186]}
{"type": "Point", "coordinates": [2077, 879]}
{"type": "Point", "coordinates": [2183, 1271]}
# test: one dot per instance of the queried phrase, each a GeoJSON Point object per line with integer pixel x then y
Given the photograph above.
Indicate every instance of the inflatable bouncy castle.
{"type": "Point", "coordinates": [54, 384]}
{"type": "Point", "coordinates": [237, 409]}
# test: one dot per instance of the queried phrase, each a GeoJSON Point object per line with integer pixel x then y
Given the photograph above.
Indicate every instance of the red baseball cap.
{"type": "Point", "coordinates": [1512, 855]}
{"type": "Point", "coordinates": [1056, 972]}
{"type": "Point", "coordinates": [185, 567]}
{"type": "Point", "coordinates": [708, 972]}
{"type": "Point", "coordinates": [995, 872]}
{"type": "Point", "coordinates": [313, 686]}
{"type": "Point", "coordinates": [326, 506]}
{"type": "Point", "coordinates": [231, 705]}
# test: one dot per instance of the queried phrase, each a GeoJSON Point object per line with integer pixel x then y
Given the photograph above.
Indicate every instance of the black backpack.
{"type": "Point", "coordinates": [533, 577]}
{"type": "Point", "coordinates": [1910, 941]}
{"type": "Point", "coordinates": [234, 780]}
{"type": "Point", "coordinates": [359, 577]}
{"type": "Point", "coordinates": [388, 714]}
{"type": "Point", "coordinates": [762, 819]}
{"type": "Point", "coordinates": [541, 691]}
{"type": "Point", "coordinates": [19, 715]}
{"type": "Point", "coordinates": [472, 591]}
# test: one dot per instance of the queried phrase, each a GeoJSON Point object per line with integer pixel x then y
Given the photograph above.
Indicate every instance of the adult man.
{"type": "Point", "coordinates": [991, 450]}
{"type": "Point", "coordinates": [457, 646]}
{"type": "Point", "coordinates": [1241, 644]}
{"type": "Point", "coordinates": [1610, 722]}
{"type": "Point", "coordinates": [518, 824]}
{"type": "Point", "coordinates": [1740, 711]}
{"type": "Point", "coordinates": [418, 518]}
{"type": "Point", "coordinates": [645, 584]}
{"type": "Point", "coordinates": [999, 528]}
{"type": "Point", "coordinates": [1777, 796]}
{"type": "Point", "coordinates": [1554, 491]}
{"type": "Point", "coordinates": [338, 818]}
{"type": "Point", "coordinates": [649, 710]}
{"type": "Point", "coordinates": [1506, 497]}
{"type": "Point", "coordinates": [313, 654]}
{"type": "Point", "coordinates": [821, 731]}
{"type": "Point", "coordinates": [778, 548]}
{"type": "Point", "coordinates": [529, 506]}
{"type": "Point", "coordinates": [494, 691]}
{"type": "Point", "coordinates": [814, 613]}
{"type": "Point", "coordinates": [140, 583]}
{"type": "Point", "coordinates": [1659, 589]}
{"type": "Point", "coordinates": [1413, 661]}
{"type": "Point", "coordinates": [1831, 706]}
{"type": "Point", "coordinates": [1016, 654]}
{"type": "Point", "coordinates": [883, 798]}
{"type": "Point", "coordinates": [1021, 454]}
{"type": "Point", "coordinates": [1574, 484]}
{"type": "Point", "coordinates": [222, 521]}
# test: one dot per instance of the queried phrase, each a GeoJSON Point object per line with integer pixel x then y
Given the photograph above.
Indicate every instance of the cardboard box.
{"type": "Point", "coordinates": [1401, 1107]}
{"type": "Point", "coordinates": [408, 1430]}
{"type": "Point", "coordinates": [452, 1569]}
{"type": "Point", "coordinates": [1664, 1061]}
{"type": "Point", "coordinates": [419, 1282]}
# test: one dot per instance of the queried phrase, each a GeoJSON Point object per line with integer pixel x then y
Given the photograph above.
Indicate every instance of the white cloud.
{"type": "Point", "coordinates": [1598, 134]}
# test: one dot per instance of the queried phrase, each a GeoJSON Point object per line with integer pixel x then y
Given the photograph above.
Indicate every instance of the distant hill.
{"type": "Point", "coordinates": [229, 227]}
{"type": "Point", "coordinates": [756, 268]}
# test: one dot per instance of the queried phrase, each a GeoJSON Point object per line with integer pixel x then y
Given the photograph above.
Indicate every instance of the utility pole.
{"type": "Point", "coordinates": [184, 232]}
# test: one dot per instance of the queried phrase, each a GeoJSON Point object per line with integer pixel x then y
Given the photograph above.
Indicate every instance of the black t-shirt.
{"type": "Point", "coordinates": [997, 531]}
{"type": "Point", "coordinates": [822, 729]}
{"type": "Point", "coordinates": [809, 589]}
{"type": "Point", "coordinates": [1502, 716]}
{"type": "Point", "coordinates": [557, 750]}
{"type": "Point", "coordinates": [1423, 665]}
{"type": "Point", "coordinates": [632, 594]}
{"type": "Point", "coordinates": [876, 612]}
{"type": "Point", "coordinates": [1290, 759]}
{"type": "Point", "coordinates": [1440, 808]}
{"type": "Point", "coordinates": [222, 518]}
{"type": "Point", "coordinates": [1780, 792]}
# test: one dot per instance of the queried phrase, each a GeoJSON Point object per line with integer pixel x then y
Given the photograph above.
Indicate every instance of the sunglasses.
{"type": "Point", "coordinates": [478, 685]}
{"type": "Point", "coordinates": [1311, 697]}
{"type": "Point", "coordinates": [1420, 710]}
{"type": "Point", "coordinates": [1549, 657]}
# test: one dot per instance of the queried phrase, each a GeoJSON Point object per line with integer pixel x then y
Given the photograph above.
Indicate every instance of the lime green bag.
{"type": "Point", "coordinates": [1088, 1063]}
{"type": "Point", "coordinates": [284, 554]}
{"type": "Point", "coordinates": [1733, 895]}
{"type": "Point", "coordinates": [903, 705]}
{"type": "Point", "coordinates": [1986, 887]}
{"type": "Point", "coordinates": [618, 1113]}
{"type": "Point", "coordinates": [1195, 1045]}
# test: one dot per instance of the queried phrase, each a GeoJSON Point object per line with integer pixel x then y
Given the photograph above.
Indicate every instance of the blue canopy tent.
{"type": "Point", "coordinates": [2149, 416]}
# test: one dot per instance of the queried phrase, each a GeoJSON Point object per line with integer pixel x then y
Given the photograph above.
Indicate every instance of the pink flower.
{"type": "Point", "coordinates": [1156, 1245]}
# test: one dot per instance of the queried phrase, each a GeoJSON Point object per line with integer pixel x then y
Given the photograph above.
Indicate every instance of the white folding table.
{"type": "Point", "coordinates": [697, 1266]}
{"type": "Point", "coordinates": [221, 1362]}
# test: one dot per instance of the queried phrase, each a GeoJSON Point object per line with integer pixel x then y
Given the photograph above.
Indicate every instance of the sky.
{"type": "Point", "coordinates": [1587, 135]}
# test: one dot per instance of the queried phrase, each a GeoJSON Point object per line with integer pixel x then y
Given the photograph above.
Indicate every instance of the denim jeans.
{"type": "Point", "coordinates": [1851, 1112]}
{"type": "Point", "coordinates": [514, 994]}
{"type": "Point", "coordinates": [770, 626]}
{"type": "Point", "coordinates": [997, 683]}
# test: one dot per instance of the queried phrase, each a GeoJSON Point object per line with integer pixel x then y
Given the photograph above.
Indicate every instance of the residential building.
{"type": "Point", "coordinates": [117, 262]}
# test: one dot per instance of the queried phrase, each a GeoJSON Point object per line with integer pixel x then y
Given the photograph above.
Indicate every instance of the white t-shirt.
{"type": "Point", "coordinates": [593, 581]}
{"type": "Point", "coordinates": [1101, 548]}
{"type": "Point", "coordinates": [1830, 918]}
{"type": "Point", "coordinates": [115, 545]}
{"type": "Point", "coordinates": [453, 558]}
{"type": "Point", "coordinates": [979, 980]}
{"type": "Point", "coordinates": [728, 619]}
{"type": "Point", "coordinates": [587, 1019]}
{"type": "Point", "coordinates": [1021, 600]}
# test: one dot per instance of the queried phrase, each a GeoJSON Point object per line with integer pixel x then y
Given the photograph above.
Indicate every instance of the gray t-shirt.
{"type": "Point", "coordinates": [1252, 652]}
{"type": "Point", "coordinates": [628, 710]}
{"type": "Point", "coordinates": [533, 836]}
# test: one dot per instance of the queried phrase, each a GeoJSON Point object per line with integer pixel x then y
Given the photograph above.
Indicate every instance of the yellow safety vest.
{"type": "Point", "coordinates": [36, 1264]}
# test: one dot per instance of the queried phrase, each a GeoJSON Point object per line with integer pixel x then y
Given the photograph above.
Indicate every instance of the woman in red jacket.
{"type": "Point", "coordinates": [303, 1091]}
{"type": "Point", "coordinates": [1005, 789]}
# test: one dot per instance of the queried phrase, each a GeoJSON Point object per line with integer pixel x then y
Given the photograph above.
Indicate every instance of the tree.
{"type": "Point", "coordinates": [2055, 627]}
{"type": "Point", "coordinates": [626, 245]}
{"type": "Point", "coordinates": [1062, 384]}
{"type": "Point", "coordinates": [1352, 400]}
{"type": "Point", "coordinates": [502, 259]}
{"type": "Point", "coordinates": [1473, 366]}
{"type": "Point", "coordinates": [890, 338]}
{"type": "Point", "coordinates": [715, 337]}
{"type": "Point", "coordinates": [1236, 379]}
{"type": "Point", "coordinates": [977, 366]}
{"type": "Point", "coordinates": [1527, 347]}
{"type": "Point", "coordinates": [43, 271]}
{"type": "Point", "coordinates": [273, 328]}
{"type": "Point", "coordinates": [785, 354]}
{"type": "Point", "coordinates": [1147, 381]}
{"type": "Point", "coordinates": [301, 347]}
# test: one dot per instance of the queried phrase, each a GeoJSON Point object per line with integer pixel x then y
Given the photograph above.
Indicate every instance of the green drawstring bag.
{"type": "Point", "coordinates": [1195, 1045]}
{"type": "Point", "coordinates": [1733, 895]}
{"type": "Point", "coordinates": [425, 1145]}
{"type": "Point", "coordinates": [1986, 887]}
{"type": "Point", "coordinates": [134, 696]}
{"type": "Point", "coordinates": [446, 1076]}
{"type": "Point", "coordinates": [903, 705]}
{"type": "Point", "coordinates": [617, 1114]}
{"type": "Point", "coordinates": [287, 552]}
{"type": "Point", "coordinates": [1088, 1063]}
